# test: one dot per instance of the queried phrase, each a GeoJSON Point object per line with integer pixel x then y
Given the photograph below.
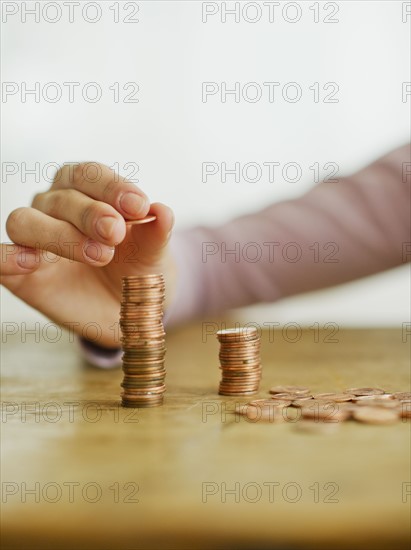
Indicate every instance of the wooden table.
{"type": "Point", "coordinates": [189, 474]}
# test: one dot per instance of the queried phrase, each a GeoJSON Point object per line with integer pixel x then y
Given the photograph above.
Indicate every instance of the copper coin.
{"type": "Point", "coordinates": [385, 396]}
{"type": "Point", "coordinates": [147, 219]}
{"type": "Point", "coordinates": [336, 397]}
{"type": "Point", "coordinates": [240, 366]}
{"type": "Point", "coordinates": [287, 396]}
{"type": "Point", "coordinates": [401, 395]}
{"type": "Point", "coordinates": [131, 378]}
{"type": "Point", "coordinates": [142, 404]}
{"type": "Point", "coordinates": [141, 399]}
{"type": "Point", "coordinates": [298, 390]}
{"type": "Point", "coordinates": [143, 393]}
{"type": "Point", "coordinates": [232, 332]}
{"type": "Point", "coordinates": [234, 378]}
{"type": "Point", "coordinates": [143, 338]}
{"type": "Point", "coordinates": [365, 391]}
{"type": "Point", "coordinates": [146, 359]}
{"type": "Point", "coordinates": [143, 373]}
{"type": "Point", "coordinates": [235, 393]}
{"type": "Point", "coordinates": [240, 385]}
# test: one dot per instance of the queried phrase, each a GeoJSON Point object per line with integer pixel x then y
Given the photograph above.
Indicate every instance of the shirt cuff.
{"type": "Point", "coordinates": [104, 358]}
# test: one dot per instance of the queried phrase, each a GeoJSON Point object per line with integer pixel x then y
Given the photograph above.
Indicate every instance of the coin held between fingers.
{"type": "Point", "coordinates": [147, 219]}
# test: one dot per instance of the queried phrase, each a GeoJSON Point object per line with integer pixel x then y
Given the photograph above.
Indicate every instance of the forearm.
{"type": "Point", "coordinates": [340, 231]}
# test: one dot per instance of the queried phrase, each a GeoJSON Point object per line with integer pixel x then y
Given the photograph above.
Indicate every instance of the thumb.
{"type": "Point", "coordinates": [152, 238]}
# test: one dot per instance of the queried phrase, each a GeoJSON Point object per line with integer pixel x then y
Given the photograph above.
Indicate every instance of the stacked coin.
{"type": "Point", "coordinates": [143, 340]}
{"type": "Point", "coordinates": [239, 361]}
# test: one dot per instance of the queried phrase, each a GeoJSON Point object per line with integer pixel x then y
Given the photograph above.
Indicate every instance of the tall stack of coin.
{"type": "Point", "coordinates": [239, 361]}
{"type": "Point", "coordinates": [143, 340]}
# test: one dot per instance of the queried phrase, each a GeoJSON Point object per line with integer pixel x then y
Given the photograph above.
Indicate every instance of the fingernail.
{"type": "Point", "coordinates": [27, 260]}
{"type": "Point", "coordinates": [105, 227]}
{"type": "Point", "coordinates": [96, 252]}
{"type": "Point", "coordinates": [133, 204]}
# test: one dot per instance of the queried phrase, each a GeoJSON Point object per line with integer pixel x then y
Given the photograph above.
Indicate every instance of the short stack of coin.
{"type": "Point", "coordinates": [240, 361]}
{"type": "Point", "coordinates": [143, 340]}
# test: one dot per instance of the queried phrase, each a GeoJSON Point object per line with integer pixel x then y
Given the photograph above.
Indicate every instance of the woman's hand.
{"type": "Point", "coordinates": [73, 246]}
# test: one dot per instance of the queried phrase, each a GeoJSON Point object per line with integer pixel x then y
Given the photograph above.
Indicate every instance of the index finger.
{"type": "Point", "coordinates": [103, 184]}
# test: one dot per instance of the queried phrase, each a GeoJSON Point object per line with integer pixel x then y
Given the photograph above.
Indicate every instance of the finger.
{"type": "Point", "coordinates": [18, 260]}
{"type": "Point", "coordinates": [103, 184]}
{"type": "Point", "coordinates": [98, 220]}
{"type": "Point", "coordinates": [31, 228]}
{"type": "Point", "coordinates": [153, 237]}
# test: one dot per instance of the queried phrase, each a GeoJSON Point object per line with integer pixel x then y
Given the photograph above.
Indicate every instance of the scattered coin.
{"type": "Point", "coordinates": [289, 396]}
{"type": "Point", "coordinates": [297, 390]}
{"type": "Point", "coordinates": [147, 219]}
{"type": "Point", "coordinates": [383, 396]}
{"type": "Point", "coordinates": [365, 391]}
{"type": "Point", "coordinates": [325, 411]}
{"type": "Point", "coordinates": [239, 361]}
{"type": "Point", "coordinates": [336, 397]}
{"type": "Point", "coordinates": [143, 340]}
{"type": "Point", "coordinates": [401, 395]}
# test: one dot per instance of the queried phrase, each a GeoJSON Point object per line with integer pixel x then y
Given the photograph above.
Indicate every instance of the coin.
{"type": "Point", "coordinates": [147, 219]}
{"type": "Point", "coordinates": [143, 338]}
{"type": "Point", "coordinates": [375, 415]}
{"type": "Point", "coordinates": [326, 411]}
{"type": "Point", "coordinates": [247, 332]}
{"type": "Point", "coordinates": [240, 361]}
{"type": "Point", "coordinates": [401, 395]}
{"type": "Point", "coordinates": [287, 396]}
{"type": "Point", "coordinates": [365, 391]}
{"type": "Point", "coordinates": [334, 397]}
{"type": "Point", "coordinates": [298, 390]}
{"type": "Point", "coordinates": [382, 396]}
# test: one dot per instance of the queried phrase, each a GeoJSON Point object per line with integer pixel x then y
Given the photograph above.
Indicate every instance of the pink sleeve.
{"type": "Point", "coordinates": [334, 233]}
{"type": "Point", "coordinates": [99, 357]}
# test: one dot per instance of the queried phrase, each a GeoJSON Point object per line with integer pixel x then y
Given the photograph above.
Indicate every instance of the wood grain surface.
{"type": "Point", "coordinates": [190, 474]}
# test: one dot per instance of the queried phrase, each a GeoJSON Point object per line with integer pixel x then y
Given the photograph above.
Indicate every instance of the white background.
{"type": "Point", "coordinates": [170, 132]}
